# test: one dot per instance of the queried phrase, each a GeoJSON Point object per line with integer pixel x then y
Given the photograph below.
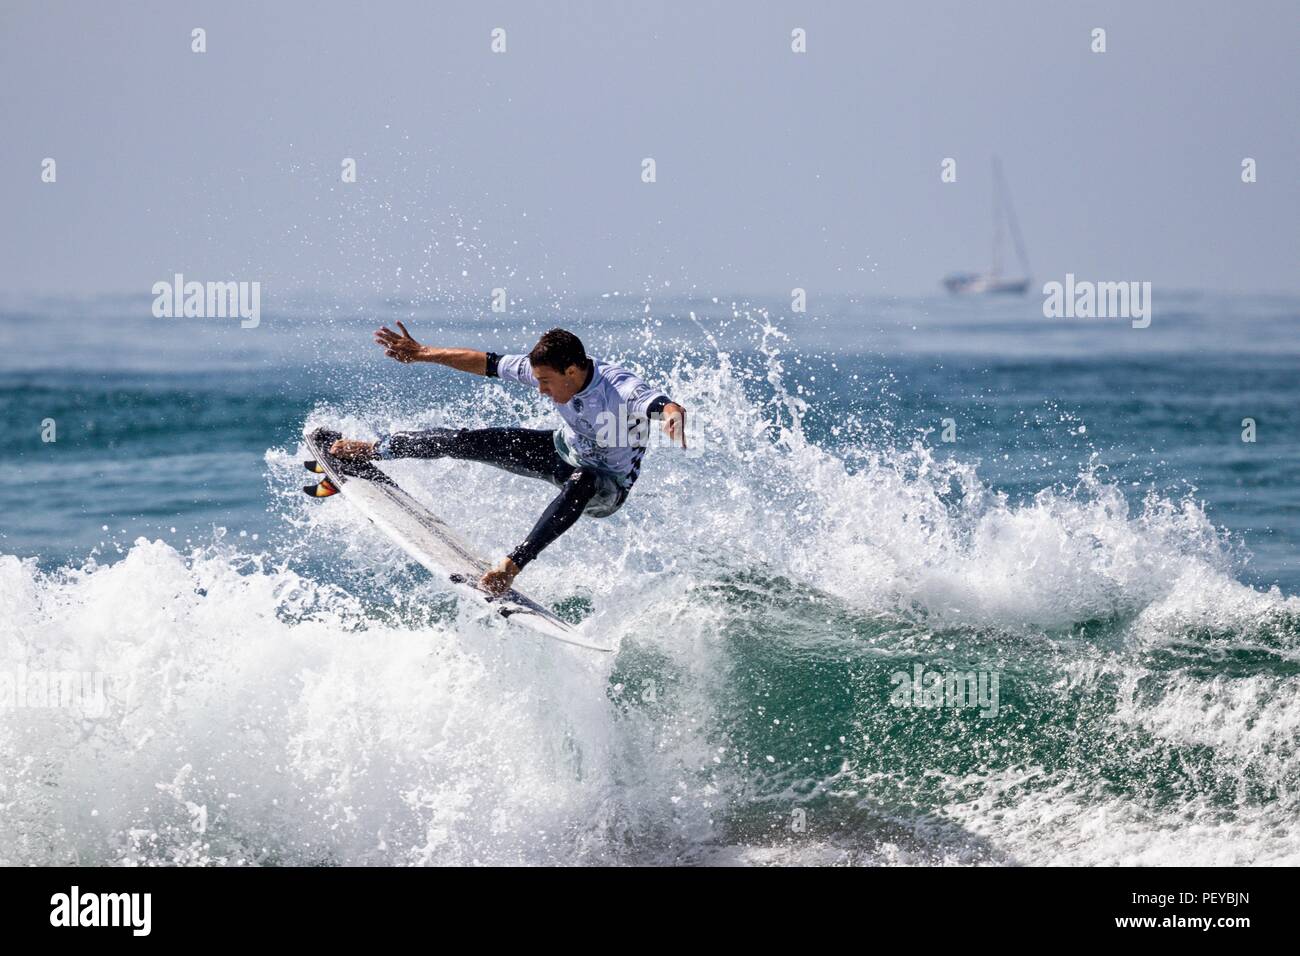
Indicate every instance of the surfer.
{"type": "Point", "coordinates": [594, 458]}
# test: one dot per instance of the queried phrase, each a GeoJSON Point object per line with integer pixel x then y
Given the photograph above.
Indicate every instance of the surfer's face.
{"type": "Point", "coordinates": [559, 387]}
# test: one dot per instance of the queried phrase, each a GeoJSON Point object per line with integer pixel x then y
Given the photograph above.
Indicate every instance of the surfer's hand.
{"type": "Point", "coordinates": [674, 419]}
{"type": "Point", "coordinates": [498, 580]}
{"type": "Point", "coordinates": [401, 347]}
{"type": "Point", "coordinates": [350, 450]}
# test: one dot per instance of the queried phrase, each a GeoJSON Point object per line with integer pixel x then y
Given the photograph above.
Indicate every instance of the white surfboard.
{"type": "Point", "coordinates": [431, 541]}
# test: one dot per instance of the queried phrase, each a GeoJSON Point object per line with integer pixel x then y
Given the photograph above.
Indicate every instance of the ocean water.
{"type": "Point", "coordinates": [281, 686]}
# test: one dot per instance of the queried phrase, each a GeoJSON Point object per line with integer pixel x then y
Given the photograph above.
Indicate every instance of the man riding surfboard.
{"type": "Point", "coordinates": [594, 457]}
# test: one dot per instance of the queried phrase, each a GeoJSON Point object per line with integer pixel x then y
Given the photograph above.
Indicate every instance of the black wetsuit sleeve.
{"type": "Point", "coordinates": [656, 408]}
{"type": "Point", "coordinates": [493, 361]}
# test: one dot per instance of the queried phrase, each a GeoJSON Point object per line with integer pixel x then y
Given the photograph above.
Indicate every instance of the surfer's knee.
{"type": "Point", "coordinates": [583, 481]}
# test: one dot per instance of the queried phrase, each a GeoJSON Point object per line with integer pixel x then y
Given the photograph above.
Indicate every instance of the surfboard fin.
{"type": "Point", "coordinates": [324, 489]}
{"type": "Point", "coordinates": [313, 466]}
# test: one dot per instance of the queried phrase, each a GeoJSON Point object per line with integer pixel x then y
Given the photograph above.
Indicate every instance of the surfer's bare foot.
{"type": "Point", "coordinates": [350, 450]}
{"type": "Point", "coordinates": [499, 579]}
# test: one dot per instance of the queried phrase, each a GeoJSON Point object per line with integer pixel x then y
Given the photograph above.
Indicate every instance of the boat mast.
{"type": "Point", "coordinates": [996, 271]}
{"type": "Point", "coordinates": [1001, 187]}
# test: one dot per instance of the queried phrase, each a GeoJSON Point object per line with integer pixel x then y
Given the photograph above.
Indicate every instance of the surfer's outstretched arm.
{"type": "Point", "coordinates": [405, 349]}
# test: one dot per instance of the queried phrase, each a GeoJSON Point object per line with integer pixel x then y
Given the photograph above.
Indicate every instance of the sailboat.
{"type": "Point", "coordinates": [993, 282]}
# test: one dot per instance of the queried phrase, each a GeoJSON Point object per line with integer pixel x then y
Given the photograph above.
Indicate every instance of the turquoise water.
{"type": "Point", "coordinates": [284, 687]}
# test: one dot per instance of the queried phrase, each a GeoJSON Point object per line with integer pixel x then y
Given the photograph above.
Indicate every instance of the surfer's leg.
{"type": "Point", "coordinates": [559, 515]}
{"type": "Point", "coordinates": [523, 451]}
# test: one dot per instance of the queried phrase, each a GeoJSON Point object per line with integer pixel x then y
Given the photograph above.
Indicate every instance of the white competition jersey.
{"type": "Point", "coordinates": [606, 424]}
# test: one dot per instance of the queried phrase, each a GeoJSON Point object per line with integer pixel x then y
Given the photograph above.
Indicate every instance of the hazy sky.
{"type": "Point", "coordinates": [775, 169]}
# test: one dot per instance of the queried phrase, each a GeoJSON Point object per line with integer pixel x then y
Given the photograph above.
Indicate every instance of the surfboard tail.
{"type": "Point", "coordinates": [322, 489]}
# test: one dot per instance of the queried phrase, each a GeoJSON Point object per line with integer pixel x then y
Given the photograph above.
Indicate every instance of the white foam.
{"type": "Point", "coordinates": [258, 715]}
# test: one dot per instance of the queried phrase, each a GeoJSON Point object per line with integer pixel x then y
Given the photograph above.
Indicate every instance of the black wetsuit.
{"type": "Point", "coordinates": [522, 451]}
{"type": "Point", "coordinates": [594, 474]}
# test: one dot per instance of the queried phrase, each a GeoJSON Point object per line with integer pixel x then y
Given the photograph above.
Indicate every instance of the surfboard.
{"type": "Point", "coordinates": [428, 539]}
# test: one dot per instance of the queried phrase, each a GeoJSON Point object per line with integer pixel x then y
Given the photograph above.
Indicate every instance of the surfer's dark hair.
{"type": "Point", "coordinates": [558, 349]}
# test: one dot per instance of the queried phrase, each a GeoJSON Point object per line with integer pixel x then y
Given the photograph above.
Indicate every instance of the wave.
{"type": "Point", "coordinates": [313, 699]}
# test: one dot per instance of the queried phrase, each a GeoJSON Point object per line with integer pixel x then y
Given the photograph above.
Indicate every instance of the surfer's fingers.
{"type": "Point", "coordinates": [404, 332]}
{"type": "Point", "coordinates": [675, 426]}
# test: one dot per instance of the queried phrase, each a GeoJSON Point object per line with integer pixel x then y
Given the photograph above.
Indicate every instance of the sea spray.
{"type": "Point", "coordinates": [312, 698]}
